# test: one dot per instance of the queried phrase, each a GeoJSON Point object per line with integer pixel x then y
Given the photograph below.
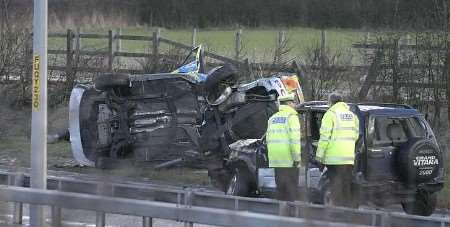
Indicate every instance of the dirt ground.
{"type": "Point", "coordinates": [15, 130]}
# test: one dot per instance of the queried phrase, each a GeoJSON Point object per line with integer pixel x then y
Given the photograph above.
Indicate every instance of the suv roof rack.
{"type": "Point", "coordinates": [393, 105]}
{"type": "Point", "coordinates": [313, 103]}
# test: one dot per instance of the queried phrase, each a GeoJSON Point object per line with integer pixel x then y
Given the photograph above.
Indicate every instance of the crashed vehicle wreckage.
{"type": "Point", "coordinates": [187, 115]}
{"type": "Point", "coordinates": [170, 117]}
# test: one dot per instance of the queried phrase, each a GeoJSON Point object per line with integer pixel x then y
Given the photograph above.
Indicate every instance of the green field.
{"type": "Point", "coordinates": [258, 44]}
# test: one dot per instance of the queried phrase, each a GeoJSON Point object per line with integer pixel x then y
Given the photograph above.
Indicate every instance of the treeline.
{"type": "Point", "coordinates": [392, 14]}
{"type": "Point", "coordinates": [418, 14]}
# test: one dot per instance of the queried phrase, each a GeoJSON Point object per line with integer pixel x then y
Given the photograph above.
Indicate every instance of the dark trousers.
{"type": "Point", "coordinates": [340, 184]}
{"type": "Point", "coordinates": [287, 183]}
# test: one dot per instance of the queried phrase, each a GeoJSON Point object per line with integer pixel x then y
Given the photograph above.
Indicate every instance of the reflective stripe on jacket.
{"type": "Point", "coordinates": [338, 134]}
{"type": "Point", "coordinates": [283, 138]}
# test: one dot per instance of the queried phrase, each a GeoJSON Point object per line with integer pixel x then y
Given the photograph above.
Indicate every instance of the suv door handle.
{"type": "Point", "coordinates": [376, 153]}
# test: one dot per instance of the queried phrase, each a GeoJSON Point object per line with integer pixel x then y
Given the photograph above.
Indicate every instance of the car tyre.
{"type": "Point", "coordinates": [424, 204]}
{"type": "Point", "coordinates": [106, 81]}
{"type": "Point", "coordinates": [105, 163]}
{"type": "Point", "coordinates": [240, 182]}
{"type": "Point", "coordinates": [327, 198]}
{"type": "Point", "coordinates": [226, 72]}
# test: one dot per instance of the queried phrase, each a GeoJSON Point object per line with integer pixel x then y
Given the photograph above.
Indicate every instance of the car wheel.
{"type": "Point", "coordinates": [224, 73]}
{"type": "Point", "coordinates": [81, 129]}
{"type": "Point", "coordinates": [239, 183]}
{"type": "Point", "coordinates": [424, 204]}
{"type": "Point", "coordinates": [327, 197]}
{"type": "Point", "coordinates": [105, 81]}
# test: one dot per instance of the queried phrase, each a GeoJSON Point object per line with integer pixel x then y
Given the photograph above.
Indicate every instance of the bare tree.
{"type": "Point", "coordinates": [326, 73]}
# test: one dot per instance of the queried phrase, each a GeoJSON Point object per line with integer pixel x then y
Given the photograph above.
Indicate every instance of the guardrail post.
{"type": "Point", "coordinates": [17, 180]}
{"type": "Point", "coordinates": [56, 216]}
{"type": "Point", "coordinates": [100, 219]}
{"type": "Point", "coordinates": [283, 209]}
{"type": "Point", "coordinates": [147, 222]}
{"type": "Point", "coordinates": [385, 220]}
{"type": "Point", "coordinates": [188, 197]}
{"type": "Point", "coordinates": [156, 36]}
{"type": "Point", "coordinates": [106, 190]}
{"type": "Point", "coordinates": [110, 50]}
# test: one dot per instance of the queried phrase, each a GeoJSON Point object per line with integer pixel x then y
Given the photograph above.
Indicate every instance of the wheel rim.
{"type": "Point", "coordinates": [232, 186]}
{"type": "Point", "coordinates": [74, 127]}
{"type": "Point", "coordinates": [327, 199]}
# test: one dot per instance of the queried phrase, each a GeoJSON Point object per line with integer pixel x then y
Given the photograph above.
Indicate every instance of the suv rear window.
{"type": "Point", "coordinates": [390, 130]}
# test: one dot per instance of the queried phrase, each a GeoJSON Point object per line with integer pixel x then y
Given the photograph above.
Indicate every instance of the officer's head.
{"type": "Point", "coordinates": [288, 99]}
{"type": "Point", "coordinates": [334, 98]}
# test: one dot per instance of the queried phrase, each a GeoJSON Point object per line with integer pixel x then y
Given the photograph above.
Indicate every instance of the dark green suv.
{"type": "Point", "coordinates": [397, 160]}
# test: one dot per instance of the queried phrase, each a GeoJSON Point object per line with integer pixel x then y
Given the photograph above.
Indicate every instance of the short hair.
{"type": "Point", "coordinates": [334, 98]}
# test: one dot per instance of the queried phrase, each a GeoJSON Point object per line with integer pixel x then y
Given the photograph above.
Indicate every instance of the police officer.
{"type": "Point", "coordinates": [336, 148]}
{"type": "Point", "coordinates": [283, 144]}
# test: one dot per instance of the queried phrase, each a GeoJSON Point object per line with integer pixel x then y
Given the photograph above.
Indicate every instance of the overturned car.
{"type": "Point", "coordinates": [169, 116]}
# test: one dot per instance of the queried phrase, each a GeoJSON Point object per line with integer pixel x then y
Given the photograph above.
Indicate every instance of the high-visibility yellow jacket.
{"type": "Point", "coordinates": [338, 134]}
{"type": "Point", "coordinates": [283, 138]}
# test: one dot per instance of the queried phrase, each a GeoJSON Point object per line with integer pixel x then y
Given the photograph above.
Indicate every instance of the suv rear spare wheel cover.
{"type": "Point", "coordinates": [419, 161]}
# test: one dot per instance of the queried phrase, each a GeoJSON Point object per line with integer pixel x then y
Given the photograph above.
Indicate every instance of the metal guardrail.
{"type": "Point", "coordinates": [186, 213]}
{"type": "Point", "coordinates": [207, 199]}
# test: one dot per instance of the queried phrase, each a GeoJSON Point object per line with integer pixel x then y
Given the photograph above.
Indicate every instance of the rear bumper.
{"type": "Point", "coordinates": [396, 192]}
{"type": "Point", "coordinates": [434, 187]}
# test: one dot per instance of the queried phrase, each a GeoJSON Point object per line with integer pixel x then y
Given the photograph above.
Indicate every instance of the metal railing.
{"type": "Point", "coordinates": [150, 209]}
{"type": "Point", "coordinates": [149, 194]}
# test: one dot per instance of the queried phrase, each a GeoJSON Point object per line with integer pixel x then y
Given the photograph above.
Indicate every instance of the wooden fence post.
{"type": "Point", "coordinates": [78, 44]}
{"type": "Point", "coordinates": [367, 38]}
{"type": "Point", "coordinates": [278, 51]}
{"type": "Point", "coordinates": [323, 42]}
{"type": "Point", "coordinates": [447, 80]}
{"type": "Point", "coordinates": [323, 46]}
{"type": "Point", "coordinates": [110, 50]}
{"type": "Point", "coordinates": [247, 68]}
{"type": "Point", "coordinates": [238, 45]}
{"type": "Point", "coordinates": [194, 37]}
{"type": "Point", "coordinates": [395, 72]}
{"type": "Point", "coordinates": [156, 36]}
{"type": "Point", "coordinates": [118, 43]}
{"type": "Point", "coordinates": [69, 53]}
